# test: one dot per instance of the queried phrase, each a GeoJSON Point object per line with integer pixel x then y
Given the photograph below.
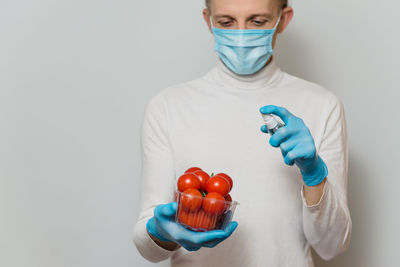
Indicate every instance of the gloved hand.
{"type": "Point", "coordinates": [297, 145]}
{"type": "Point", "coordinates": [164, 227]}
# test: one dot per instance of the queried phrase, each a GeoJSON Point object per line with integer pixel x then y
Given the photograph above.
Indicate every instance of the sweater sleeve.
{"type": "Point", "coordinates": [327, 225]}
{"type": "Point", "coordinates": [157, 175]}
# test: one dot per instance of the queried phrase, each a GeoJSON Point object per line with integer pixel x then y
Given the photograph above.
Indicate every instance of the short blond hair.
{"type": "Point", "coordinates": [284, 3]}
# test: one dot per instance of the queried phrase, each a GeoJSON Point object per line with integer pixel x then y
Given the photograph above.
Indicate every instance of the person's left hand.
{"type": "Point", "coordinates": [163, 226]}
{"type": "Point", "coordinates": [297, 145]}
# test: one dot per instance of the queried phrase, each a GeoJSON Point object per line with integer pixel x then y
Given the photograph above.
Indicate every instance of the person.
{"type": "Point", "coordinates": [291, 186]}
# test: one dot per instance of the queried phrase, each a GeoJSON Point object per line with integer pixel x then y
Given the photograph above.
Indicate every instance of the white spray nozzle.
{"type": "Point", "coordinates": [270, 121]}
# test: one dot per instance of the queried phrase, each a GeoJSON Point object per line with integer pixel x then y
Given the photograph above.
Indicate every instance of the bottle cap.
{"type": "Point", "coordinates": [270, 121]}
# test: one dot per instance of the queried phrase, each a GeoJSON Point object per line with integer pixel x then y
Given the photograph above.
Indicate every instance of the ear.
{"type": "Point", "coordinates": [207, 17]}
{"type": "Point", "coordinates": [286, 17]}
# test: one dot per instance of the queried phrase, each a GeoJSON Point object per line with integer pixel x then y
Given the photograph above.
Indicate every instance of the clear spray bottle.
{"type": "Point", "coordinates": [272, 124]}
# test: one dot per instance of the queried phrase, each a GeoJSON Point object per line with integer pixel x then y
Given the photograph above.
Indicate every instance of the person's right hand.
{"type": "Point", "coordinates": [163, 226]}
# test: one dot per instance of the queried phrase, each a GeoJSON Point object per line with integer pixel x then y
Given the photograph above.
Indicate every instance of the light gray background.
{"type": "Point", "coordinates": [75, 76]}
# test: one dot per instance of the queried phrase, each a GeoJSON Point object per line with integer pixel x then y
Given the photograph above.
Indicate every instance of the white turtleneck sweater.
{"type": "Point", "coordinates": [214, 123]}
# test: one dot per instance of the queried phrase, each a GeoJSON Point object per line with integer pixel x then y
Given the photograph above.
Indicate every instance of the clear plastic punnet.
{"type": "Point", "coordinates": [200, 214]}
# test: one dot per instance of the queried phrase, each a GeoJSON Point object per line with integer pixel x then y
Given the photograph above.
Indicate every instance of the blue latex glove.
{"type": "Point", "coordinates": [297, 145]}
{"type": "Point", "coordinates": [164, 227]}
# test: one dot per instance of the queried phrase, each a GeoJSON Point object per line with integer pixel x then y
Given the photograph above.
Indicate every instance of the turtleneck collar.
{"type": "Point", "coordinates": [267, 77]}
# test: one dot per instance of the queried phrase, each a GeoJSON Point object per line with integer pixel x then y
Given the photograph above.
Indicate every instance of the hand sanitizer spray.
{"type": "Point", "coordinates": [272, 124]}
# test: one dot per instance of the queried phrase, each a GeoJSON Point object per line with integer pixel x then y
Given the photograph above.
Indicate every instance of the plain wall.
{"type": "Point", "coordinates": [74, 79]}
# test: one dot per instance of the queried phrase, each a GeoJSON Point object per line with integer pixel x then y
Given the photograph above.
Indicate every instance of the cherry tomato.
{"type": "Point", "coordinates": [228, 178]}
{"type": "Point", "coordinates": [191, 219]}
{"type": "Point", "coordinates": [228, 199]}
{"type": "Point", "coordinates": [203, 177]}
{"type": "Point", "coordinates": [218, 184]}
{"type": "Point", "coordinates": [191, 199]}
{"type": "Point", "coordinates": [183, 216]}
{"type": "Point", "coordinates": [188, 180]}
{"type": "Point", "coordinates": [204, 221]}
{"type": "Point", "coordinates": [212, 222]}
{"type": "Point", "coordinates": [192, 169]}
{"type": "Point", "coordinates": [200, 221]}
{"type": "Point", "coordinates": [214, 203]}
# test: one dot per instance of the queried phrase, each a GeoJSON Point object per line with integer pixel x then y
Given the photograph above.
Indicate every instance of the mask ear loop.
{"type": "Point", "coordinates": [279, 20]}
{"type": "Point", "coordinates": [211, 22]}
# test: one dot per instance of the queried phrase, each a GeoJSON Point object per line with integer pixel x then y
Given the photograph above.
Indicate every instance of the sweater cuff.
{"type": "Point", "coordinates": [147, 247]}
{"type": "Point", "coordinates": [314, 206]}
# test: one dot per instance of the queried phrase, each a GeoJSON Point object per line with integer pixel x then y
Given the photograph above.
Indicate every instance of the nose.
{"type": "Point", "coordinates": [242, 25]}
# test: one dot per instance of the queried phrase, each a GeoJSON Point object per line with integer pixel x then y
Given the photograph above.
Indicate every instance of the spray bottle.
{"type": "Point", "coordinates": [272, 124]}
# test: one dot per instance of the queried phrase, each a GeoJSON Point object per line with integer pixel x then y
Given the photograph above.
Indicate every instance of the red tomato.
{"type": "Point", "coordinates": [188, 180]}
{"type": "Point", "coordinates": [203, 221]}
{"type": "Point", "coordinates": [192, 169]}
{"type": "Point", "coordinates": [218, 184]}
{"type": "Point", "coordinates": [191, 199]}
{"type": "Point", "coordinates": [183, 216]}
{"type": "Point", "coordinates": [203, 177]}
{"type": "Point", "coordinates": [228, 199]}
{"type": "Point", "coordinates": [212, 222]}
{"type": "Point", "coordinates": [193, 220]}
{"type": "Point", "coordinates": [228, 178]}
{"type": "Point", "coordinates": [214, 203]}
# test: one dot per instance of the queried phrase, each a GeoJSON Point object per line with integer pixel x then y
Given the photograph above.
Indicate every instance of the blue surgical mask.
{"type": "Point", "coordinates": [244, 51]}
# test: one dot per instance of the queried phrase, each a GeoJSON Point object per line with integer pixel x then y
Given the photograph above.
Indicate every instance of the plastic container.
{"type": "Point", "coordinates": [200, 220]}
